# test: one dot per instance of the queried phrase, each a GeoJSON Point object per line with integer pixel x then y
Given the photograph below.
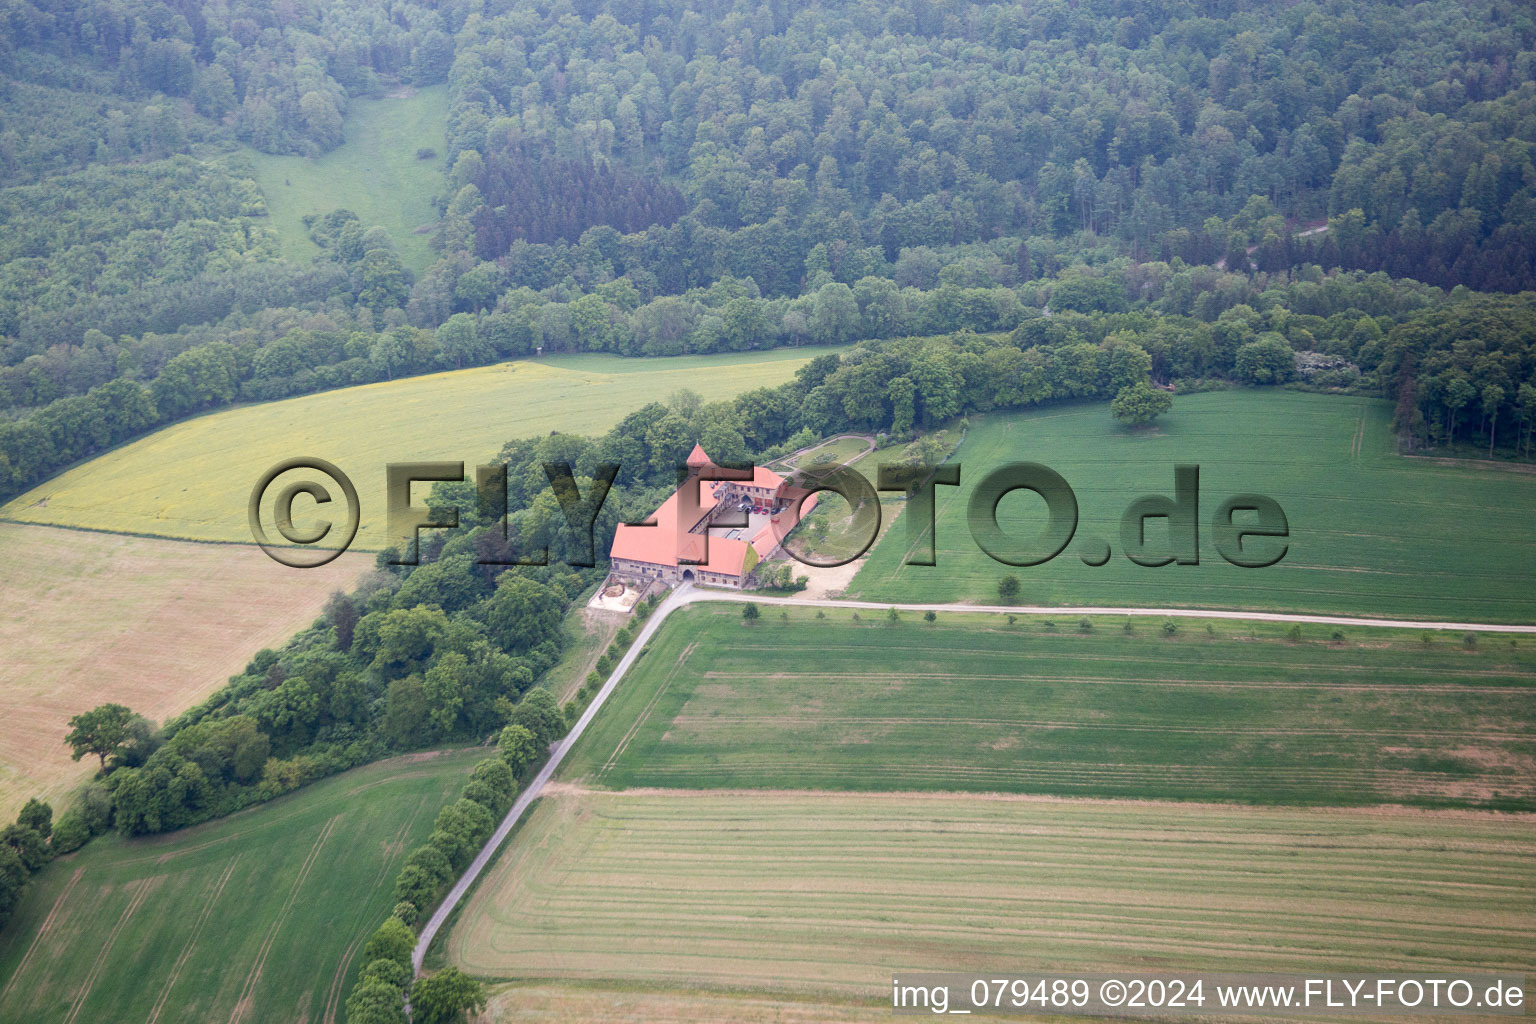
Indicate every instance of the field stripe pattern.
{"type": "Point", "coordinates": [1238, 711]}
{"type": "Point", "coordinates": [249, 918]}
{"type": "Point", "coordinates": [816, 891]}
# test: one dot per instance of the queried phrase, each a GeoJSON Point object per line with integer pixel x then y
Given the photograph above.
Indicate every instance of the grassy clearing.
{"type": "Point", "coordinates": [830, 531]}
{"type": "Point", "coordinates": [971, 703]}
{"type": "Point", "coordinates": [374, 173]}
{"type": "Point", "coordinates": [833, 453]}
{"type": "Point", "coordinates": [1371, 532]}
{"type": "Point", "coordinates": [833, 892]}
{"type": "Point", "coordinates": [192, 480]}
{"type": "Point", "coordinates": [258, 917]}
{"type": "Point", "coordinates": [154, 624]}
{"type": "Point", "coordinates": [589, 634]}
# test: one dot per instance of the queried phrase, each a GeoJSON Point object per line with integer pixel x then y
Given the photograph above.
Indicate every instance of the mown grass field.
{"type": "Point", "coordinates": [374, 173]}
{"type": "Point", "coordinates": [193, 480]}
{"type": "Point", "coordinates": [832, 893]}
{"type": "Point", "coordinates": [257, 917]}
{"type": "Point", "coordinates": [92, 617]}
{"type": "Point", "coordinates": [1372, 533]}
{"type": "Point", "coordinates": [970, 703]}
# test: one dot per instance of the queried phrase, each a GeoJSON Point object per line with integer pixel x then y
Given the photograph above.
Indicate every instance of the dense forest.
{"type": "Point", "coordinates": [655, 178]}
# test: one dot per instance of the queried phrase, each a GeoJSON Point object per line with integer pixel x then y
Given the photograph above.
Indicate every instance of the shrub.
{"type": "Point", "coordinates": [444, 997]}
{"type": "Point", "coordinates": [70, 833]}
{"type": "Point", "coordinates": [386, 971]}
{"type": "Point", "coordinates": [461, 828]}
{"type": "Point", "coordinates": [497, 773]}
{"type": "Point", "coordinates": [1268, 360]}
{"type": "Point", "coordinates": [423, 878]}
{"type": "Point", "coordinates": [930, 615]}
{"type": "Point", "coordinates": [37, 816]}
{"type": "Point", "coordinates": [891, 615]}
{"type": "Point", "coordinates": [376, 1001]}
{"type": "Point", "coordinates": [1170, 627]}
{"type": "Point", "coordinates": [519, 747]}
{"type": "Point", "coordinates": [1008, 588]}
{"type": "Point", "coordinates": [432, 862]}
{"type": "Point", "coordinates": [1469, 641]}
{"type": "Point", "coordinates": [1294, 634]}
{"type": "Point", "coordinates": [1140, 403]}
{"type": "Point", "coordinates": [489, 797]}
{"type": "Point", "coordinates": [1085, 625]}
{"type": "Point", "coordinates": [539, 714]}
{"type": "Point", "coordinates": [406, 911]}
{"type": "Point", "coordinates": [393, 941]}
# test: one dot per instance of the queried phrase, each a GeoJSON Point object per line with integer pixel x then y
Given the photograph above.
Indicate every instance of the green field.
{"type": "Point", "coordinates": [193, 480]}
{"type": "Point", "coordinates": [970, 703]}
{"type": "Point", "coordinates": [1372, 533]}
{"type": "Point", "coordinates": [832, 893]}
{"type": "Point", "coordinates": [257, 917]}
{"type": "Point", "coordinates": [374, 173]}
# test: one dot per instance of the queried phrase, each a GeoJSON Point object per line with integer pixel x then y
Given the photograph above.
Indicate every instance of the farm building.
{"type": "Point", "coordinates": [682, 541]}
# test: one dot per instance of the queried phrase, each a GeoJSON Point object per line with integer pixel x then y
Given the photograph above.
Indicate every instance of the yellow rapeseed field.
{"type": "Point", "coordinates": [193, 480]}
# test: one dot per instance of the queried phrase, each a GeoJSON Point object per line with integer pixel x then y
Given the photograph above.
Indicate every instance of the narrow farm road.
{"type": "Point", "coordinates": [687, 595]}
{"type": "Point", "coordinates": [677, 599]}
{"type": "Point", "coordinates": [692, 596]}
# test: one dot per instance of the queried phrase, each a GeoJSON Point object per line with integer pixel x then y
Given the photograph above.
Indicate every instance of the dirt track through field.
{"type": "Point", "coordinates": [649, 707]}
{"type": "Point", "coordinates": [825, 892]}
{"type": "Point", "coordinates": [243, 1004]}
{"type": "Point", "coordinates": [42, 932]}
{"type": "Point", "coordinates": [197, 930]}
{"type": "Point", "coordinates": [140, 891]}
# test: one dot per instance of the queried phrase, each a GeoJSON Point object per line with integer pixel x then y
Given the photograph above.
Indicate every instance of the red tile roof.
{"type": "Point", "coordinates": [670, 540]}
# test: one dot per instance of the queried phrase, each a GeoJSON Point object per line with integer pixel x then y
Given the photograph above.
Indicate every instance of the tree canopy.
{"type": "Point", "coordinates": [1140, 403]}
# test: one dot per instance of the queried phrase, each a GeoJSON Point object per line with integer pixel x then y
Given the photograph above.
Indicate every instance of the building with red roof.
{"type": "Point", "coordinates": [710, 530]}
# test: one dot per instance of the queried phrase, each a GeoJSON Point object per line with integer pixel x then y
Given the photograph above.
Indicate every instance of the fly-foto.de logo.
{"type": "Point", "coordinates": [1247, 530]}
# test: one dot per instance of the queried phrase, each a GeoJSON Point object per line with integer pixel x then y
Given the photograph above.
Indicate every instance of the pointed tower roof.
{"type": "Point", "coordinates": [698, 458]}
